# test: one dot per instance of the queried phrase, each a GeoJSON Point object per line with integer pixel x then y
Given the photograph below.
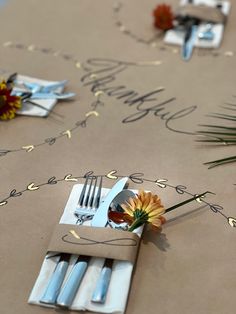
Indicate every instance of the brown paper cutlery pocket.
{"type": "Point", "coordinates": [95, 241]}
{"type": "Point", "coordinates": [203, 13]}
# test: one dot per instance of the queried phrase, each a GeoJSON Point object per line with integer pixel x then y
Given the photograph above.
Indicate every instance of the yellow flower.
{"type": "Point", "coordinates": [145, 207]}
{"type": "Point", "coordinates": [8, 104]}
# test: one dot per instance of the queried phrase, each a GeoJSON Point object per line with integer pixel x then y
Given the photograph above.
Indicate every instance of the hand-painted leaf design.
{"type": "Point", "coordinates": [69, 177]}
{"type": "Point", "coordinates": [3, 203]}
{"type": "Point", "coordinates": [111, 175]}
{"type": "Point", "coordinates": [81, 123]}
{"type": "Point", "coordinates": [3, 152]}
{"type": "Point", "coordinates": [160, 183]}
{"type": "Point", "coordinates": [67, 132]}
{"type": "Point", "coordinates": [52, 180]}
{"type": "Point", "coordinates": [232, 221]}
{"type": "Point", "coordinates": [32, 187]}
{"type": "Point", "coordinates": [180, 189]}
{"type": "Point", "coordinates": [28, 148]}
{"type": "Point", "coordinates": [215, 208]}
{"type": "Point", "coordinates": [13, 193]}
{"type": "Point", "coordinates": [50, 140]}
{"type": "Point", "coordinates": [92, 113]}
{"type": "Point", "coordinates": [136, 177]}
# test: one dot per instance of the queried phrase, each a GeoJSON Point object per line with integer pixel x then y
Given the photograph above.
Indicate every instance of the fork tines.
{"type": "Point", "coordinates": [89, 197]}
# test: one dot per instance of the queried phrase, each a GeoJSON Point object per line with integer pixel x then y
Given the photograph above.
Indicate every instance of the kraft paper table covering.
{"type": "Point", "coordinates": [190, 267]}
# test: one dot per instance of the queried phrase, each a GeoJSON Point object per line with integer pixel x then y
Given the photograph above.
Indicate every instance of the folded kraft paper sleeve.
{"type": "Point", "coordinates": [95, 241]}
{"type": "Point", "coordinates": [202, 12]}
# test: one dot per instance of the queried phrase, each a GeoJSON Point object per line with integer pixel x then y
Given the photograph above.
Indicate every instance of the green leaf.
{"type": "Point", "coordinates": [220, 135]}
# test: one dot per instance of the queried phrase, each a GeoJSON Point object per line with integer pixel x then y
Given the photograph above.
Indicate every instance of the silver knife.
{"type": "Point", "coordinates": [51, 95]}
{"type": "Point", "coordinates": [35, 87]}
{"type": "Point", "coordinates": [53, 288]}
{"type": "Point", "coordinates": [101, 289]}
{"type": "Point", "coordinates": [70, 288]}
{"type": "Point", "coordinates": [189, 40]}
{"type": "Point", "coordinates": [100, 292]}
{"type": "Point", "coordinates": [100, 217]}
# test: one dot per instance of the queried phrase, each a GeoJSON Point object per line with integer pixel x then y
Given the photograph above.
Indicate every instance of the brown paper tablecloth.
{"type": "Point", "coordinates": [190, 267]}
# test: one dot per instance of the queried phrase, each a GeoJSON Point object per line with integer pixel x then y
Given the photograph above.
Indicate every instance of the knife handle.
{"type": "Point", "coordinates": [100, 292]}
{"type": "Point", "coordinates": [56, 280]}
{"type": "Point", "coordinates": [53, 86]}
{"type": "Point", "coordinates": [69, 290]}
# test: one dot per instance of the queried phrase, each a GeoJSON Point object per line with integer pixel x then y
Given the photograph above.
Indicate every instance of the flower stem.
{"type": "Point", "coordinates": [138, 222]}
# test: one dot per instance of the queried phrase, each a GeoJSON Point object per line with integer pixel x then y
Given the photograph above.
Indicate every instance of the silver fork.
{"type": "Point", "coordinates": [89, 200]}
{"type": "Point", "coordinates": [88, 203]}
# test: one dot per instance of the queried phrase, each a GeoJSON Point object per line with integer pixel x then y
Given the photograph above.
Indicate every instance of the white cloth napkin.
{"type": "Point", "coordinates": [31, 110]}
{"type": "Point", "coordinates": [120, 279]}
{"type": "Point", "coordinates": [176, 37]}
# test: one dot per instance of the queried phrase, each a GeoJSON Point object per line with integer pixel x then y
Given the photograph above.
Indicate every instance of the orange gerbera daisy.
{"type": "Point", "coordinates": [8, 104]}
{"type": "Point", "coordinates": [163, 17]}
{"type": "Point", "coordinates": [145, 207]}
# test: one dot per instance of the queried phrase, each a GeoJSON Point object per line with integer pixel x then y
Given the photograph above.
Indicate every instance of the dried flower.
{"type": "Point", "coordinates": [163, 17]}
{"type": "Point", "coordinates": [145, 207]}
{"type": "Point", "coordinates": [8, 104]}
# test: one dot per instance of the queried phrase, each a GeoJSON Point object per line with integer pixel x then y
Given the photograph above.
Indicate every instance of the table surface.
{"type": "Point", "coordinates": [142, 124]}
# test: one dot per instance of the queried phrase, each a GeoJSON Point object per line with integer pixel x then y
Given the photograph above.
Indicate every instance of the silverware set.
{"type": "Point", "coordinates": [40, 91]}
{"type": "Point", "coordinates": [191, 30]}
{"type": "Point", "coordinates": [29, 92]}
{"type": "Point", "coordinates": [62, 292]}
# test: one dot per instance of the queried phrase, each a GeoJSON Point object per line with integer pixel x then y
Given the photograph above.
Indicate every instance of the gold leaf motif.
{"type": "Point", "coordinates": [232, 221]}
{"type": "Point", "coordinates": [68, 133]}
{"type": "Point", "coordinates": [7, 44]}
{"type": "Point", "coordinates": [111, 175]}
{"type": "Point", "coordinates": [90, 113]}
{"type": "Point", "coordinates": [3, 203]}
{"type": "Point", "coordinates": [229, 53]}
{"type": "Point", "coordinates": [153, 45]}
{"type": "Point", "coordinates": [160, 183]}
{"type": "Point", "coordinates": [69, 177]}
{"type": "Point", "coordinates": [32, 187]}
{"type": "Point", "coordinates": [146, 63]}
{"type": "Point", "coordinates": [56, 53]}
{"type": "Point", "coordinates": [98, 93]}
{"type": "Point", "coordinates": [93, 76]}
{"type": "Point", "coordinates": [78, 65]}
{"type": "Point", "coordinates": [73, 232]}
{"type": "Point", "coordinates": [31, 48]}
{"type": "Point", "coordinates": [199, 199]}
{"type": "Point", "coordinates": [28, 148]}
{"type": "Point", "coordinates": [160, 88]}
